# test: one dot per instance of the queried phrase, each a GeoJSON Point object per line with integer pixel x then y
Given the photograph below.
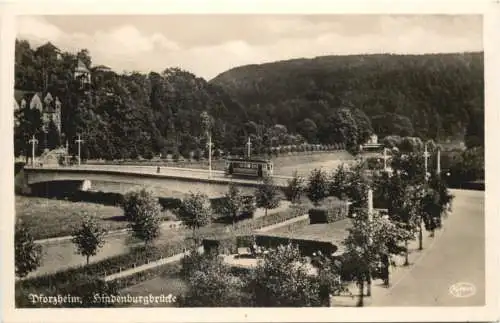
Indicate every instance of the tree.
{"type": "Point", "coordinates": [403, 203]}
{"type": "Point", "coordinates": [318, 186]}
{"type": "Point", "coordinates": [295, 188]}
{"type": "Point", "coordinates": [89, 237]}
{"type": "Point", "coordinates": [369, 246]}
{"type": "Point", "coordinates": [435, 203]}
{"type": "Point", "coordinates": [392, 141]}
{"type": "Point", "coordinates": [285, 279]}
{"type": "Point", "coordinates": [232, 203]}
{"type": "Point", "coordinates": [28, 254]}
{"type": "Point", "coordinates": [53, 137]}
{"type": "Point", "coordinates": [267, 195]}
{"type": "Point", "coordinates": [308, 129]}
{"type": "Point", "coordinates": [339, 185]}
{"type": "Point", "coordinates": [211, 284]}
{"type": "Point", "coordinates": [474, 134]}
{"type": "Point", "coordinates": [358, 184]}
{"type": "Point", "coordinates": [195, 211]}
{"type": "Point", "coordinates": [409, 167]}
{"type": "Point", "coordinates": [143, 211]}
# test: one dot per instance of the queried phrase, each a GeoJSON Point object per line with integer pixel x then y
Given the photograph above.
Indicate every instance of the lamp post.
{"type": "Point", "coordinates": [438, 166]}
{"type": "Point", "coordinates": [79, 142]}
{"type": "Point", "coordinates": [209, 154]}
{"type": "Point", "coordinates": [33, 141]}
{"type": "Point", "coordinates": [426, 156]}
{"type": "Point", "coordinates": [249, 145]}
{"type": "Point", "coordinates": [385, 159]}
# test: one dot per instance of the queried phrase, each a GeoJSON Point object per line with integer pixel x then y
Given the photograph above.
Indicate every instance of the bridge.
{"type": "Point", "coordinates": [182, 180]}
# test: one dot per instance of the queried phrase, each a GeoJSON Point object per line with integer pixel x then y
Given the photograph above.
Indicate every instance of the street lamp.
{"type": "Point", "coordinates": [79, 142]}
{"type": "Point", "coordinates": [33, 141]}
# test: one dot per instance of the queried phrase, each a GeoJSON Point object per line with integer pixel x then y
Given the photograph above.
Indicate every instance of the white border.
{"type": "Point", "coordinates": [489, 9]}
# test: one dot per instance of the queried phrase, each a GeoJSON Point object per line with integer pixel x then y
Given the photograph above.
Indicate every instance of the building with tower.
{"type": "Point", "coordinates": [82, 74]}
{"type": "Point", "coordinates": [50, 107]}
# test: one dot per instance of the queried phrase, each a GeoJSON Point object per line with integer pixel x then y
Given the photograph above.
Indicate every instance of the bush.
{"type": "Point", "coordinates": [318, 187]}
{"type": "Point", "coordinates": [214, 286]}
{"type": "Point", "coordinates": [328, 214]}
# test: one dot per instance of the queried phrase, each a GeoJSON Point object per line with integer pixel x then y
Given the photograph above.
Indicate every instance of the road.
{"type": "Point", "coordinates": [191, 173]}
{"type": "Point", "coordinates": [455, 255]}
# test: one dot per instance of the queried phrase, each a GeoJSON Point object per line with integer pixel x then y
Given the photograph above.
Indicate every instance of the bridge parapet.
{"type": "Point", "coordinates": [179, 180]}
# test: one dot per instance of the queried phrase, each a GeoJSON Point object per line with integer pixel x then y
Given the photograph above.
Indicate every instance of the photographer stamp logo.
{"type": "Point", "coordinates": [462, 290]}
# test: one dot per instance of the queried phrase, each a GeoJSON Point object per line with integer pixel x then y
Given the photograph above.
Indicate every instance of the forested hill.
{"type": "Point", "coordinates": [328, 100]}
{"type": "Point", "coordinates": [432, 96]}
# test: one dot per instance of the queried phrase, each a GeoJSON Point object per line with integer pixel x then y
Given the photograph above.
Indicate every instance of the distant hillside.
{"type": "Point", "coordinates": [432, 96]}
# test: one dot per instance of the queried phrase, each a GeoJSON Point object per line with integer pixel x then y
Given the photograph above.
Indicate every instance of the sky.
{"type": "Point", "coordinates": [207, 45]}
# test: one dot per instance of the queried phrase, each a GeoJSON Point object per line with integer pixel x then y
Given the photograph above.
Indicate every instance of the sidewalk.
{"type": "Point", "coordinates": [397, 274]}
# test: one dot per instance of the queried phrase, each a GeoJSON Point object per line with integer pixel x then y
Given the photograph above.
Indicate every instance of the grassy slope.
{"type": "Point", "coordinates": [51, 218]}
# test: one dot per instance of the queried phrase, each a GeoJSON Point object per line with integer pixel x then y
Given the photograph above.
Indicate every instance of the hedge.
{"type": "Point", "coordinates": [332, 210]}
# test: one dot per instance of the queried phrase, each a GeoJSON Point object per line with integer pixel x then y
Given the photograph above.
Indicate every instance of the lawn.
{"type": "Point", "coordinates": [164, 284]}
{"type": "Point", "coordinates": [49, 218]}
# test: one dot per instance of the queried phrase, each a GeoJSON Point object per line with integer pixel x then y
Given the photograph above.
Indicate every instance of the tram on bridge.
{"type": "Point", "coordinates": [241, 167]}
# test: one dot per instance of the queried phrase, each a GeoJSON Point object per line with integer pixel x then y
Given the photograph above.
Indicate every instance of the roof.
{"type": "Point", "coordinates": [102, 68]}
{"type": "Point", "coordinates": [80, 67]}
{"type": "Point", "coordinates": [48, 46]}
{"type": "Point", "coordinates": [48, 98]}
{"type": "Point", "coordinates": [36, 103]}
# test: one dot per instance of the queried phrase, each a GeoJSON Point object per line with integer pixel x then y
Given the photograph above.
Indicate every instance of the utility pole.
{"type": "Point", "coordinates": [33, 141]}
{"type": "Point", "coordinates": [426, 156]}
{"type": "Point", "coordinates": [438, 167]}
{"type": "Point", "coordinates": [79, 142]}
{"type": "Point", "coordinates": [370, 237]}
{"type": "Point", "coordinates": [209, 154]}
